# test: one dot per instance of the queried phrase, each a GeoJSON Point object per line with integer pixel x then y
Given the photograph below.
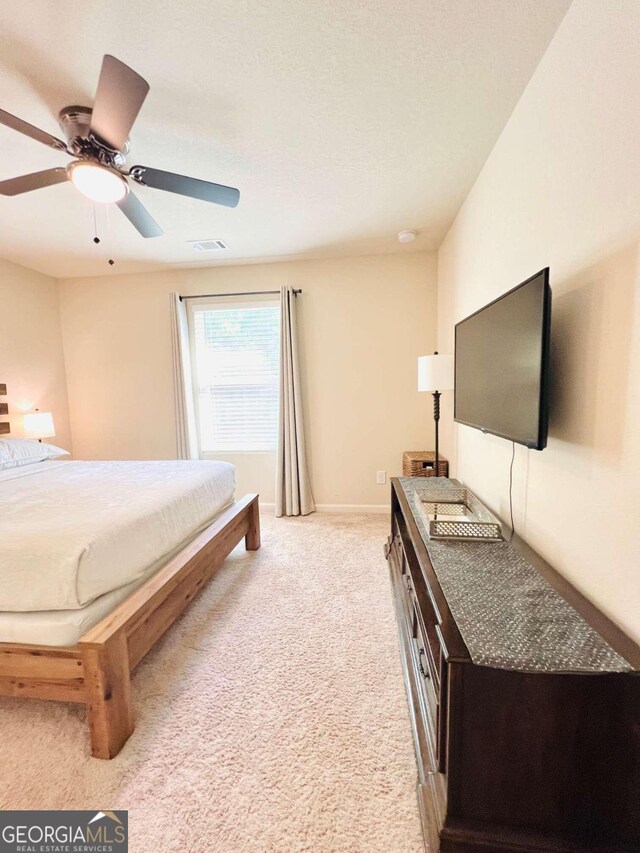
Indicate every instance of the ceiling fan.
{"type": "Point", "coordinates": [98, 140]}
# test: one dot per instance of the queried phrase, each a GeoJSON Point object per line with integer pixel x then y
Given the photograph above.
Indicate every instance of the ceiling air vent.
{"type": "Point", "coordinates": [207, 245]}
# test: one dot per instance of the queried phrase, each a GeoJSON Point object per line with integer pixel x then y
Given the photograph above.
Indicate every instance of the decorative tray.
{"type": "Point", "coordinates": [457, 514]}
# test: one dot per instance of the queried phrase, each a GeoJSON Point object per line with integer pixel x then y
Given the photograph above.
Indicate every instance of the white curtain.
{"type": "Point", "coordinates": [293, 489]}
{"type": "Point", "coordinates": [186, 433]}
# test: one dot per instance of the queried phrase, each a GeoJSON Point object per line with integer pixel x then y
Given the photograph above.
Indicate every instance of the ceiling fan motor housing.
{"type": "Point", "coordinates": [75, 123]}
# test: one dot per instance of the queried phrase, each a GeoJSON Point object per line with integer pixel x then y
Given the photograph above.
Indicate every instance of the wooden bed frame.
{"type": "Point", "coordinates": [97, 671]}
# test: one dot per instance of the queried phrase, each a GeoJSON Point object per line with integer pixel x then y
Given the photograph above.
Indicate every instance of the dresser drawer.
{"type": "Point", "coordinates": [427, 691]}
{"type": "Point", "coordinates": [427, 665]}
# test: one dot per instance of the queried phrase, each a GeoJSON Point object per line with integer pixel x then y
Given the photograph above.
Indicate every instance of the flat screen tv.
{"type": "Point", "coordinates": [502, 364]}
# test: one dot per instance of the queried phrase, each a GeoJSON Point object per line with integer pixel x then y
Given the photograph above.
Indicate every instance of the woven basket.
{"type": "Point", "coordinates": [421, 463]}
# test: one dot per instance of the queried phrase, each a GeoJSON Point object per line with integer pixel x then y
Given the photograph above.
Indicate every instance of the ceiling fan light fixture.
{"type": "Point", "coordinates": [97, 183]}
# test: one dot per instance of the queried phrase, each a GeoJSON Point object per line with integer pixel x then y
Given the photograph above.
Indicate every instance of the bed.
{"type": "Point", "coordinates": [97, 560]}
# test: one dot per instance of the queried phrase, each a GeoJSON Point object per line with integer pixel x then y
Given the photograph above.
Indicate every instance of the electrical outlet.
{"type": "Point", "coordinates": [381, 478]}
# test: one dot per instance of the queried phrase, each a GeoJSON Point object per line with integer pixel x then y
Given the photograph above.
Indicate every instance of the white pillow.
{"type": "Point", "coordinates": [23, 451]}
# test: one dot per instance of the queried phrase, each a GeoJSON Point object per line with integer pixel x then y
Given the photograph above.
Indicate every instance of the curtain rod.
{"type": "Point", "coordinates": [245, 293]}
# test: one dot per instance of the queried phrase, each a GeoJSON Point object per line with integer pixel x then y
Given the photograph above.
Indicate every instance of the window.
{"type": "Point", "coordinates": [236, 375]}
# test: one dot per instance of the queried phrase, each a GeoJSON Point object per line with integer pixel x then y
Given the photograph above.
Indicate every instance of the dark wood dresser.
{"type": "Point", "coordinates": [541, 757]}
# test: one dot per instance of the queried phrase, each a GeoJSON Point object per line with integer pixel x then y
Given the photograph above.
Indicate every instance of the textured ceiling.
{"type": "Point", "coordinates": [340, 121]}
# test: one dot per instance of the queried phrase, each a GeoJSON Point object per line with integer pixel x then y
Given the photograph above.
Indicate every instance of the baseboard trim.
{"type": "Point", "coordinates": [377, 508]}
{"type": "Point", "coordinates": [362, 508]}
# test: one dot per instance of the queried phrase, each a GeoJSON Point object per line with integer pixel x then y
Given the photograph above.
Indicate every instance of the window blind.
{"type": "Point", "coordinates": [237, 376]}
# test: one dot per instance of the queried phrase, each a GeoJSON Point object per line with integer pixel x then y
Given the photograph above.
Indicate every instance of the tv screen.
{"type": "Point", "coordinates": [502, 364]}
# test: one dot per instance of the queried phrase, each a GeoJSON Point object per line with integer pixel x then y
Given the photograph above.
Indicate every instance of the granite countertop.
{"type": "Point", "coordinates": [509, 616]}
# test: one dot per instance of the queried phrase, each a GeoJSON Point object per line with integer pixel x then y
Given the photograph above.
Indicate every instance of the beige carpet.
{"type": "Point", "coordinates": [272, 717]}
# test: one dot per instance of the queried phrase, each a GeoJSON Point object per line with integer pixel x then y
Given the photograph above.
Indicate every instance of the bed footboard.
{"type": "Point", "coordinates": [97, 671]}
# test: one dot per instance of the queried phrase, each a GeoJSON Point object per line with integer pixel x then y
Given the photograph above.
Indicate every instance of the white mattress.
{"type": "Point", "coordinates": [72, 531]}
{"type": "Point", "coordinates": [65, 627]}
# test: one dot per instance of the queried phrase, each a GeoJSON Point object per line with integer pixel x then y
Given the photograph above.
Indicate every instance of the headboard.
{"type": "Point", "coordinates": [5, 426]}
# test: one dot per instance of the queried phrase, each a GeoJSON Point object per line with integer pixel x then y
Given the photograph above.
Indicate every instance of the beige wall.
{"type": "Point", "coordinates": [31, 360]}
{"type": "Point", "coordinates": [363, 323]}
{"type": "Point", "coordinates": [562, 188]}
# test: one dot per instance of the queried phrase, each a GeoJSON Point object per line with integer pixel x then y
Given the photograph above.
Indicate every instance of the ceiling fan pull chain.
{"type": "Point", "coordinates": [96, 239]}
{"type": "Point", "coordinates": [111, 261]}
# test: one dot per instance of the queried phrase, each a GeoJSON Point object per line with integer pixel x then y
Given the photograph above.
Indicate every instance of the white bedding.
{"type": "Point", "coordinates": [65, 627]}
{"type": "Point", "coordinates": [73, 531]}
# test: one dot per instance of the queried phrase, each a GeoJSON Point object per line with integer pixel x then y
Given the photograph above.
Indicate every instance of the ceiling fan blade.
{"type": "Point", "coordinates": [21, 126]}
{"type": "Point", "coordinates": [139, 216]}
{"type": "Point", "coordinates": [192, 187]}
{"type": "Point", "coordinates": [121, 93]}
{"type": "Point", "coordinates": [34, 181]}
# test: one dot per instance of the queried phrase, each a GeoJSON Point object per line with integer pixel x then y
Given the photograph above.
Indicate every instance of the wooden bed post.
{"type": "Point", "coordinates": [252, 539]}
{"type": "Point", "coordinates": [108, 686]}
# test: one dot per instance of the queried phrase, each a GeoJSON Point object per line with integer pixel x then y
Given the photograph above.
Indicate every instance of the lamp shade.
{"type": "Point", "coordinates": [39, 425]}
{"type": "Point", "coordinates": [435, 372]}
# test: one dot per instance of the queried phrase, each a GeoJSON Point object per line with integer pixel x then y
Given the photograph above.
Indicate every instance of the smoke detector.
{"type": "Point", "coordinates": [215, 245]}
{"type": "Point", "coordinates": [407, 236]}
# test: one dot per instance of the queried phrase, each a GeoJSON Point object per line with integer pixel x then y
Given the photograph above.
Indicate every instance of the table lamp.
{"type": "Point", "coordinates": [39, 425]}
{"type": "Point", "coordinates": [435, 374]}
